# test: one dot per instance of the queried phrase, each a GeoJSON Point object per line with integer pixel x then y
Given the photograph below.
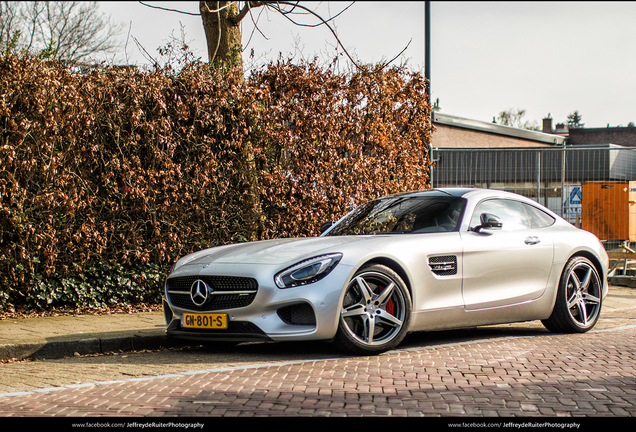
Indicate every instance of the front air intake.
{"type": "Point", "coordinates": [297, 314]}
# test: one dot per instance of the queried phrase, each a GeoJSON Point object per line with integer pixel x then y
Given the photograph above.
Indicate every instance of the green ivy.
{"type": "Point", "coordinates": [95, 288]}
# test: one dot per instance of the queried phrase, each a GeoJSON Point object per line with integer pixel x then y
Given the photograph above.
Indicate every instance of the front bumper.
{"type": "Point", "coordinates": [309, 312]}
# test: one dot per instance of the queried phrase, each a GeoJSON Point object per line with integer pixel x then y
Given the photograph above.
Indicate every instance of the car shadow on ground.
{"type": "Point", "coordinates": [473, 334]}
{"type": "Point", "coordinates": [323, 350]}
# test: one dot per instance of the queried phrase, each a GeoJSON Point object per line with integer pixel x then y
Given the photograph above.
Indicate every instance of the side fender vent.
{"type": "Point", "coordinates": [444, 265]}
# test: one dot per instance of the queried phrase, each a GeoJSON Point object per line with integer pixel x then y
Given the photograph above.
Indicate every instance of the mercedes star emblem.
{"type": "Point", "coordinates": [199, 292]}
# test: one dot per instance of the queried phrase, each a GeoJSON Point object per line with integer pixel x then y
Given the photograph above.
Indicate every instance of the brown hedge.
{"type": "Point", "coordinates": [118, 167]}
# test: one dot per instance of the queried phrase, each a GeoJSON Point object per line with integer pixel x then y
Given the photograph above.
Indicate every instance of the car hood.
{"type": "Point", "coordinates": [270, 252]}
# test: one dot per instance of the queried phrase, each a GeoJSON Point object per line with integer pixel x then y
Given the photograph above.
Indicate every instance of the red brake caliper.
{"type": "Point", "coordinates": [390, 306]}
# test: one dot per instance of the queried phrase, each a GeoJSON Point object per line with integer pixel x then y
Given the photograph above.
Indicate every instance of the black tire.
{"type": "Point", "coordinates": [579, 299]}
{"type": "Point", "coordinates": [375, 313]}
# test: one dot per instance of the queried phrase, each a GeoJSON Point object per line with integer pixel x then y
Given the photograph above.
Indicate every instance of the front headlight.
{"type": "Point", "coordinates": [308, 271]}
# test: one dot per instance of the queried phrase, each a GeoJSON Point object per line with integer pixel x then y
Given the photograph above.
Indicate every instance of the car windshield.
{"type": "Point", "coordinates": [402, 215]}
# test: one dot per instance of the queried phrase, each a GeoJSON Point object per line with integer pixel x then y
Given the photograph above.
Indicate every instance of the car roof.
{"type": "Point", "coordinates": [455, 192]}
{"type": "Point", "coordinates": [474, 194]}
{"type": "Point", "coordinates": [464, 192]}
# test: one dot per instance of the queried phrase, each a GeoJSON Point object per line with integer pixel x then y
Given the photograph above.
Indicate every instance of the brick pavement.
{"type": "Point", "coordinates": [548, 376]}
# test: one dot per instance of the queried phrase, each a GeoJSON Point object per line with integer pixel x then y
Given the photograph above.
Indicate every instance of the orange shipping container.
{"type": "Point", "coordinates": [608, 209]}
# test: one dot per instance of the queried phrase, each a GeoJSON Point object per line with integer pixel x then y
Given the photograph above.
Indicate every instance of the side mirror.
{"type": "Point", "coordinates": [325, 227]}
{"type": "Point", "coordinates": [489, 221]}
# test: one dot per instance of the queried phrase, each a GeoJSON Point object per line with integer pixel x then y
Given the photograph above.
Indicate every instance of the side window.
{"type": "Point", "coordinates": [512, 214]}
{"type": "Point", "coordinates": [538, 218]}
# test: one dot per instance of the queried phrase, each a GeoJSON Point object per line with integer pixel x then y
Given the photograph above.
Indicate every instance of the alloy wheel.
{"type": "Point", "coordinates": [583, 293]}
{"type": "Point", "coordinates": [374, 309]}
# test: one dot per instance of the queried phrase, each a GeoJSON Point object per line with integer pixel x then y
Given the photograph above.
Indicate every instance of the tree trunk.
{"type": "Point", "coordinates": [222, 31]}
{"type": "Point", "coordinates": [223, 35]}
{"type": "Point", "coordinates": [252, 202]}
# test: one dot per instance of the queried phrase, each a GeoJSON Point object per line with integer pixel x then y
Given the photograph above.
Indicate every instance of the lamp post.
{"type": "Point", "coordinates": [427, 46]}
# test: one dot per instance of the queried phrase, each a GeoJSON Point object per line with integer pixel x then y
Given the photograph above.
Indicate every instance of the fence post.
{"type": "Point", "coordinates": [538, 176]}
{"type": "Point", "coordinates": [431, 161]}
{"type": "Point", "coordinates": [563, 166]}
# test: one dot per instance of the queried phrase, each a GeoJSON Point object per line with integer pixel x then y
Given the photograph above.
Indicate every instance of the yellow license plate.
{"type": "Point", "coordinates": [204, 321]}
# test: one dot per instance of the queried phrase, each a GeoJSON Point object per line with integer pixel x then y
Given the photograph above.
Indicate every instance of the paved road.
{"type": "Point", "coordinates": [518, 370]}
{"type": "Point", "coordinates": [499, 371]}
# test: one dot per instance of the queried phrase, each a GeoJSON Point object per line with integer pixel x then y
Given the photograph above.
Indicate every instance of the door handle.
{"type": "Point", "coordinates": [532, 240]}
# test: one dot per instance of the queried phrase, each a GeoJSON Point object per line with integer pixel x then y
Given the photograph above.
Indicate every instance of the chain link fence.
{"type": "Point", "coordinates": [591, 186]}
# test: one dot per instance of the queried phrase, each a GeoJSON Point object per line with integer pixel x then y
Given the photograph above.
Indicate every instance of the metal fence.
{"type": "Point", "coordinates": [593, 187]}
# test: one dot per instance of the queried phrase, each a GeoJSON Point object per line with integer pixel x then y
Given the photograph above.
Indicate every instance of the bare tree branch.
{"type": "Point", "coordinates": [276, 6]}
{"type": "Point", "coordinates": [169, 10]}
{"type": "Point", "coordinates": [256, 27]}
{"type": "Point", "coordinates": [287, 9]}
{"type": "Point", "coordinates": [69, 30]}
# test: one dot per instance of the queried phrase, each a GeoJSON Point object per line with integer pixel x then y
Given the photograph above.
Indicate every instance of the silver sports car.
{"type": "Point", "coordinates": [428, 260]}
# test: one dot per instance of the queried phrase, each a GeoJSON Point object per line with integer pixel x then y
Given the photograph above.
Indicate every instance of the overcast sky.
{"type": "Point", "coordinates": [486, 57]}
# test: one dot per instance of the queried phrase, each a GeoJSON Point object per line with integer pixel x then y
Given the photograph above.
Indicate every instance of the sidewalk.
{"type": "Point", "coordinates": [65, 336]}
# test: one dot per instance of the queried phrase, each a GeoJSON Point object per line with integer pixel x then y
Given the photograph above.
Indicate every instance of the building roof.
{"type": "Point", "coordinates": [497, 129]}
{"type": "Point", "coordinates": [625, 136]}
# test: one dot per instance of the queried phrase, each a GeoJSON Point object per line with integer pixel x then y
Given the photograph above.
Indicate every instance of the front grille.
{"type": "Point", "coordinates": [444, 265]}
{"type": "Point", "coordinates": [228, 292]}
{"type": "Point", "coordinates": [297, 314]}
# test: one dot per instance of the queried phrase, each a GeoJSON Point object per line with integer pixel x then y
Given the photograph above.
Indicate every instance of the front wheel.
{"type": "Point", "coordinates": [578, 303]}
{"type": "Point", "coordinates": [375, 312]}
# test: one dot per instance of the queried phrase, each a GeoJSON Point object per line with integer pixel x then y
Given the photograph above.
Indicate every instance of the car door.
{"type": "Point", "coordinates": [508, 265]}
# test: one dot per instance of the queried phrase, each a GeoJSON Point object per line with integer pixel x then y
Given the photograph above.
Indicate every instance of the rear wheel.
{"type": "Point", "coordinates": [375, 313]}
{"type": "Point", "coordinates": [578, 303]}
